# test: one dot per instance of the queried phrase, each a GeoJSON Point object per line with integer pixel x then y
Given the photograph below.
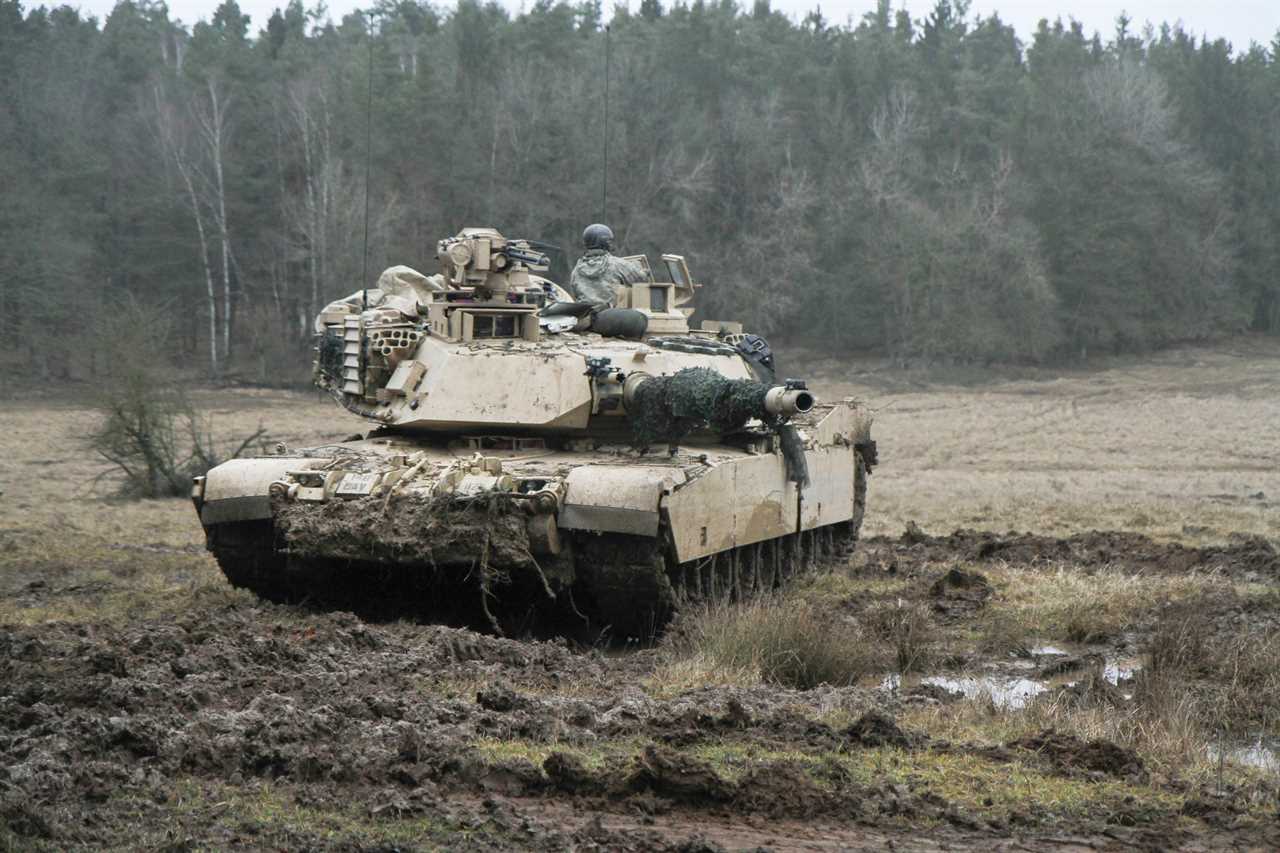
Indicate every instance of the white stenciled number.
{"type": "Point", "coordinates": [356, 484]}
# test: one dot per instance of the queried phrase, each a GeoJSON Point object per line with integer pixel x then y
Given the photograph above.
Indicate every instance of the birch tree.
{"type": "Point", "coordinates": [174, 139]}
{"type": "Point", "coordinates": [210, 107]}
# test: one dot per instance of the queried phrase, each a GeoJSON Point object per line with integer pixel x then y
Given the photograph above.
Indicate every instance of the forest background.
{"type": "Point", "coordinates": [931, 189]}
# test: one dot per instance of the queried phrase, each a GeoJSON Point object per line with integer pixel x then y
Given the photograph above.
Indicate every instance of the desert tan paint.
{"type": "Point", "coordinates": [439, 387]}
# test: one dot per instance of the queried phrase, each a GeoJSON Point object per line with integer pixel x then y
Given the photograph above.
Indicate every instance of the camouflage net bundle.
{"type": "Point", "coordinates": [332, 349]}
{"type": "Point", "coordinates": [667, 408]}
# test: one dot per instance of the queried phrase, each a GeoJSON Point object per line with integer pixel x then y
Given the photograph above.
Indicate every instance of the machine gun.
{"type": "Point", "coordinates": [529, 258]}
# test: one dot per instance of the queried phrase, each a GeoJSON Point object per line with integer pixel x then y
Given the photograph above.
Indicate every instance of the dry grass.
{"type": "Point", "coordinates": [1229, 681]}
{"type": "Point", "coordinates": [908, 630]}
{"type": "Point", "coordinates": [976, 785]}
{"type": "Point", "coordinates": [1064, 604]}
{"type": "Point", "coordinates": [783, 641]}
{"type": "Point", "coordinates": [1199, 688]}
{"type": "Point", "coordinates": [1169, 739]}
{"type": "Point", "coordinates": [1175, 446]}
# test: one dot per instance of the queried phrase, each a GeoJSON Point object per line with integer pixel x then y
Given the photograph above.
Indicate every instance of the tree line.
{"type": "Point", "coordinates": [930, 188]}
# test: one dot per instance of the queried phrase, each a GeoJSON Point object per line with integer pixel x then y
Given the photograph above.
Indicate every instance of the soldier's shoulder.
{"type": "Point", "coordinates": [629, 268]}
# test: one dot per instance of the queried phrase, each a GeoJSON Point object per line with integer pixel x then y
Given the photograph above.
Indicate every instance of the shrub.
{"type": "Point", "coordinates": [785, 642]}
{"type": "Point", "coordinates": [149, 429]}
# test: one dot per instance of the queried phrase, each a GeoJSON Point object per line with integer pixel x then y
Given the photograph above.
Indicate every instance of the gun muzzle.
{"type": "Point", "coordinates": [784, 401]}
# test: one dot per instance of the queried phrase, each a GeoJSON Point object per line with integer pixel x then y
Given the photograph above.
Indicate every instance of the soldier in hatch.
{"type": "Point", "coordinates": [597, 274]}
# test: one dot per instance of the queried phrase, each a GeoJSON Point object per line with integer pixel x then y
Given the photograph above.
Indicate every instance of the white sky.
{"type": "Point", "coordinates": [1238, 21]}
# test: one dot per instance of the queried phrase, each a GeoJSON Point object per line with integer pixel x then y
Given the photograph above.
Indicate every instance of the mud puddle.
{"type": "Point", "coordinates": [1012, 686]}
{"type": "Point", "coordinates": [1260, 753]}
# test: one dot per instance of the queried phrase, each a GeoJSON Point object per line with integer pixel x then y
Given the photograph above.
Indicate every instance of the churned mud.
{"type": "Point", "coordinates": [250, 725]}
{"type": "Point", "coordinates": [1246, 556]}
{"type": "Point", "coordinates": [198, 733]}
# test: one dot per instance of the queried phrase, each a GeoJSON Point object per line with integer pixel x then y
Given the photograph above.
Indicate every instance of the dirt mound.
{"type": "Point", "coordinates": [782, 790]}
{"type": "Point", "coordinates": [1132, 552]}
{"type": "Point", "coordinates": [381, 718]}
{"type": "Point", "coordinates": [875, 729]}
{"type": "Point", "coordinates": [679, 777]}
{"type": "Point", "coordinates": [775, 789]}
{"type": "Point", "coordinates": [1071, 755]}
{"type": "Point", "coordinates": [959, 592]}
{"type": "Point", "coordinates": [499, 697]}
{"type": "Point", "coordinates": [1091, 691]}
{"type": "Point", "coordinates": [90, 712]}
{"type": "Point", "coordinates": [1070, 663]}
{"type": "Point", "coordinates": [924, 694]}
{"type": "Point", "coordinates": [567, 773]}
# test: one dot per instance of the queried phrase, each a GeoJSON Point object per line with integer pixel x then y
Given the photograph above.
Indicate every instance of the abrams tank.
{"type": "Point", "coordinates": [533, 460]}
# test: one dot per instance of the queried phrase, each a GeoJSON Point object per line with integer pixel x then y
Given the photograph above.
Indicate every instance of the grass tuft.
{"type": "Point", "coordinates": [909, 630]}
{"type": "Point", "coordinates": [1229, 681]}
{"type": "Point", "coordinates": [779, 641]}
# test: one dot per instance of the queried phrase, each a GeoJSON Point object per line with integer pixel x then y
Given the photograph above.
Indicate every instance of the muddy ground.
{"type": "Point", "coordinates": [246, 725]}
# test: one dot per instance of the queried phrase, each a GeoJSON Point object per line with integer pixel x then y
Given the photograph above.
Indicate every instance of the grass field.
{"type": "Point", "coordinates": [1181, 445]}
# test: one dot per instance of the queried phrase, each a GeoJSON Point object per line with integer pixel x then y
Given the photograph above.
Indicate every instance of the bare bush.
{"type": "Point", "coordinates": [149, 429]}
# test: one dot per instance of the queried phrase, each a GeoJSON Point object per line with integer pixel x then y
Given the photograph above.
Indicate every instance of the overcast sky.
{"type": "Point", "coordinates": [1238, 21]}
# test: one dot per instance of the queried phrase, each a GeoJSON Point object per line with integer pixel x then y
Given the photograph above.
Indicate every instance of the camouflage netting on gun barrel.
{"type": "Point", "coordinates": [667, 408]}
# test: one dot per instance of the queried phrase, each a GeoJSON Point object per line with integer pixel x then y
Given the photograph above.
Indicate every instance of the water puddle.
{"type": "Point", "coordinates": [1117, 671]}
{"type": "Point", "coordinates": [1011, 691]}
{"type": "Point", "coordinates": [1259, 753]}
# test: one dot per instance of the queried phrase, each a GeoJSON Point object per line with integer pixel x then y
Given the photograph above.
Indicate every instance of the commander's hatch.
{"type": "Point", "coordinates": [642, 261]}
{"type": "Point", "coordinates": [685, 286]}
{"type": "Point", "coordinates": [664, 300]}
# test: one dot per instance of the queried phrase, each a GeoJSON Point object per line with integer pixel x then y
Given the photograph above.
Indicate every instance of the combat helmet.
{"type": "Point", "coordinates": [597, 236]}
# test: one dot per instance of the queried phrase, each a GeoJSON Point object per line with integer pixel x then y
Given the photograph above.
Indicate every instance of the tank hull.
{"type": "Point", "coordinates": [509, 531]}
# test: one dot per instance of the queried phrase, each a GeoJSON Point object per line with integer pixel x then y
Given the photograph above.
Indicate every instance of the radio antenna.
{"type": "Point", "coordinates": [368, 160]}
{"type": "Point", "coordinates": [604, 175]}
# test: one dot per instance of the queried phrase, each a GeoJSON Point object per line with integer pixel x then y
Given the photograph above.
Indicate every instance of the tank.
{"type": "Point", "coordinates": [530, 461]}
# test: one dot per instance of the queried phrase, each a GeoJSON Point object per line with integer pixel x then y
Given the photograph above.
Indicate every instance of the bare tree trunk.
{"type": "Point", "coordinates": [173, 150]}
{"type": "Point", "coordinates": [224, 232]}
{"type": "Point", "coordinates": [210, 296]}
{"type": "Point", "coordinates": [309, 110]}
{"type": "Point", "coordinates": [213, 127]}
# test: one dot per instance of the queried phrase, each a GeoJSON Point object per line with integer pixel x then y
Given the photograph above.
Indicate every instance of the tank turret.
{"type": "Point", "coordinates": [536, 461]}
